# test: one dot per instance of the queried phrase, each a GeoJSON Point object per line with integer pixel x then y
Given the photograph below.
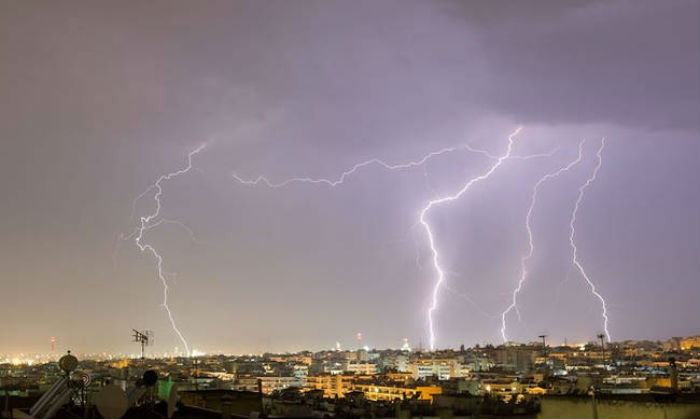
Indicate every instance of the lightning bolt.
{"type": "Point", "coordinates": [431, 237]}
{"type": "Point", "coordinates": [147, 222]}
{"type": "Point", "coordinates": [341, 179]}
{"type": "Point", "coordinates": [344, 175]}
{"type": "Point", "coordinates": [531, 246]}
{"type": "Point", "coordinates": [572, 242]}
{"type": "Point", "coordinates": [333, 182]}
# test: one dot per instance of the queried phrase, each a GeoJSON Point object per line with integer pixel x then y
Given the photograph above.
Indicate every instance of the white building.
{"type": "Point", "coordinates": [360, 368]}
{"type": "Point", "coordinates": [300, 373]}
{"type": "Point", "coordinates": [441, 369]}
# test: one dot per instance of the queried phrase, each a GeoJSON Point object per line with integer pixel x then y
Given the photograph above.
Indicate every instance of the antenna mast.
{"type": "Point", "coordinates": [142, 337]}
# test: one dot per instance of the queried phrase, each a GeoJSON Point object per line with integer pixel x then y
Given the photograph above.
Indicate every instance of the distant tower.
{"type": "Point", "coordinates": [544, 347]}
{"type": "Point", "coordinates": [406, 347]}
{"type": "Point", "coordinates": [53, 344]}
{"type": "Point", "coordinates": [359, 340]}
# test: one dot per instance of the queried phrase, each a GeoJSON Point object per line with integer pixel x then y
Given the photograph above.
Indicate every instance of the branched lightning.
{"type": "Point", "coordinates": [345, 174]}
{"type": "Point", "coordinates": [409, 165]}
{"type": "Point", "coordinates": [513, 156]}
{"type": "Point", "coordinates": [154, 219]}
{"type": "Point", "coordinates": [150, 221]}
{"type": "Point", "coordinates": [572, 234]}
{"type": "Point", "coordinates": [162, 221]}
{"type": "Point", "coordinates": [423, 218]}
{"type": "Point", "coordinates": [528, 226]}
{"type": "Point", "coordinates": [431, 238]}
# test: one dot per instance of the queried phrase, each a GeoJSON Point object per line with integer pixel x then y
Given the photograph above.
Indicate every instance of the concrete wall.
{"type": "Point", "coordinates": [582, 408]}
{"type": "Point", "coordinates": [227, 402]}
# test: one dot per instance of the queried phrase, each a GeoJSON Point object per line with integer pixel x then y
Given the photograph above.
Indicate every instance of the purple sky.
{"type": "Point", "coordinates": [97, 100]}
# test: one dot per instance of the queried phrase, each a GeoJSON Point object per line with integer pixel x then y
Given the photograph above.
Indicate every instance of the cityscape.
{"type": "Point", "coordinates": [350, 209]}
{"type": "Point", "coordinates": [592, 379]}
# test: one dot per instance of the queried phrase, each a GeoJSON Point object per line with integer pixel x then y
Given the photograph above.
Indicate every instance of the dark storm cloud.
{"type": "Point", "coordinates": [625, 62]}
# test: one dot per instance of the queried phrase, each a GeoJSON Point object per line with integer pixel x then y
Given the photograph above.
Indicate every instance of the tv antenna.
{"type": "Point", "coordinates": [144, 337]}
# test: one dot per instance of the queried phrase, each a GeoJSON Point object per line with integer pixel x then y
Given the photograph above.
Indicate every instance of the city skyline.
{"type": "Point", "coordinates": [444, 172]}
{"type": "Point", "coordinates": [29, 359]}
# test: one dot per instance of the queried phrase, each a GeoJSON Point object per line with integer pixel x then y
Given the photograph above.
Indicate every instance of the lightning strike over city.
{"type": "Point", "coordinates": [531, 246]}
{"type": "Point", "coordinates": [147, 223]}
{"type": "Point", "coordinates": [431, 237]}
{"type": "Point", "coordinates": [572, 236]}
{"type": "Point", "coordinates": [424, 212]}
{"type": "Point", "coordinates": [403, 208]}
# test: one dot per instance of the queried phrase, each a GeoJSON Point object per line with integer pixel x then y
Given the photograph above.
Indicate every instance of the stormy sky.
{"type": "Point", "coordinates": [97, 100]}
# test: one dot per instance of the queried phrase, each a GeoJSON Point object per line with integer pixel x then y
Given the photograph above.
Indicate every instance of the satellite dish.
{"type": "Point", "coordinates": [172, 400]}
{"type": "Point", "coordinates": [111, 402]}
{"type": "Point", "coordinates": [68, 363]}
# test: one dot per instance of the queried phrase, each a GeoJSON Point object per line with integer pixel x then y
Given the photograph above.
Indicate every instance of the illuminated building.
{"type": "Point", "coordinates": [339, 385]}
{"type": "Point", "coordinates": [364, 368]}
{"type": "Point", "coordinates": [333, 385]}
{"type": "Point", "coordinates": [376, 392]}
{"type": "Point", "coordinates": [442, 369]}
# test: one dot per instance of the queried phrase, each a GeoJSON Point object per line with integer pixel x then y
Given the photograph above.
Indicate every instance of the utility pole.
{"type": "Point", "coordinates": [601, 336]}
{"type": "Point", "coordinates": [544, 347]}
